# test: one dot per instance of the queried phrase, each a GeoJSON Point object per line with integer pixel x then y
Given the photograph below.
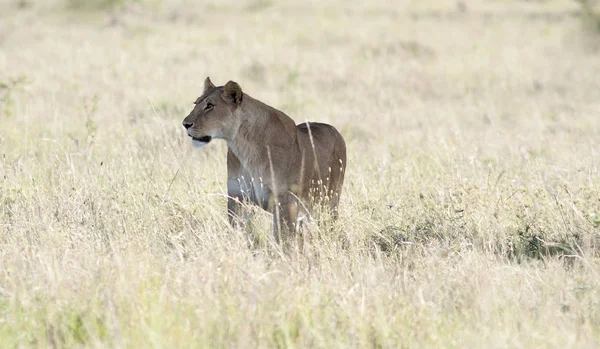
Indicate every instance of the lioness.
{"type": "Point", "coordinates": [271, 162]}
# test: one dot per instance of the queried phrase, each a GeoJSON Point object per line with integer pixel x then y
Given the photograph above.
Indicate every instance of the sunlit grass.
{"type": "Point", "coordinates": [469, 218]}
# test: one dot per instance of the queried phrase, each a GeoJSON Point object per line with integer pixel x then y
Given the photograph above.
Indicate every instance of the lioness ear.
{"type": "Point", "coordinates": [232, 92]}
{"type": "Point", "coordinates": [208, 84]}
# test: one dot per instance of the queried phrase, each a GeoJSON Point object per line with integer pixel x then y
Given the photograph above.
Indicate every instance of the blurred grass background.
{"type": "Point", "coordinates": [470, 215]}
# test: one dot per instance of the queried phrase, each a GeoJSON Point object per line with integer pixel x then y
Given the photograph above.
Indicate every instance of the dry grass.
{"type": "Point", "coordinates": [471, 212]}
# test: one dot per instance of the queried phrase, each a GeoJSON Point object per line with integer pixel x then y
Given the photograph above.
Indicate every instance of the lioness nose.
{"type": "Point", "coordinates": [187, 124]}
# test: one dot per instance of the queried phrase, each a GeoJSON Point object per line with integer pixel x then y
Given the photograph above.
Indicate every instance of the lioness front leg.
{"type": "Point", "coordinates": [238, 197]}
{"type": "Point", "coordinates": [235, 212]}
{"type": "Point", "coordinates": [285, 214]}
{"type": "Point", "coordinates": [239, 192]}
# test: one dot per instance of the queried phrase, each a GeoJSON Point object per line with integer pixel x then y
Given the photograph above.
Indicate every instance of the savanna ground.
{"type": "Point", "coordinates": [471, 210]}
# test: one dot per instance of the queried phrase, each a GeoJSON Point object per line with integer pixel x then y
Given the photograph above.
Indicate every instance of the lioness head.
{"type": "Point", "coordinates": [214, 115]}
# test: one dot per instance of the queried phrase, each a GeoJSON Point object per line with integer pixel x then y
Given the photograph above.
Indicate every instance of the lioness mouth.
{"type": "Point", "coordinates": [204, 139]}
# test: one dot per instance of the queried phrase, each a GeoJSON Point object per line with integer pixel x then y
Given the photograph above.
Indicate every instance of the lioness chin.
{"type": "Point", "coordinates": [283, 168]}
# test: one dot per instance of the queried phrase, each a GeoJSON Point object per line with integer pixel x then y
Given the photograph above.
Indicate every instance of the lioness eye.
{"type": "Point", "coordinates": [208, 106]}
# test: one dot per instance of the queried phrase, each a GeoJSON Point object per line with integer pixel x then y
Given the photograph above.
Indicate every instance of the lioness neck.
{"type": "Point", "coordinates": [261, 126]}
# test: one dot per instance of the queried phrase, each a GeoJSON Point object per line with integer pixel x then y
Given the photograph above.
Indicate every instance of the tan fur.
{"type": "Point", "coordinates": [271, 162]}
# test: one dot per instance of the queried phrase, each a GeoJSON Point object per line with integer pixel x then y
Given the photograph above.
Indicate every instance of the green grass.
{"type": "Point", "coordinates": [470, 215]}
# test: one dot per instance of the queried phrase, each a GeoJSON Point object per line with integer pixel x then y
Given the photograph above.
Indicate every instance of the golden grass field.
{"type": "Point", "coordinates": [470, 215]}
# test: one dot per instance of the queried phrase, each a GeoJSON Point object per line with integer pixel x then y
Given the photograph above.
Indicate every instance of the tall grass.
{"type": "Point", "coordinates": [470, 215]}
{"type": "Point", "coordinates": [98, 4]}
